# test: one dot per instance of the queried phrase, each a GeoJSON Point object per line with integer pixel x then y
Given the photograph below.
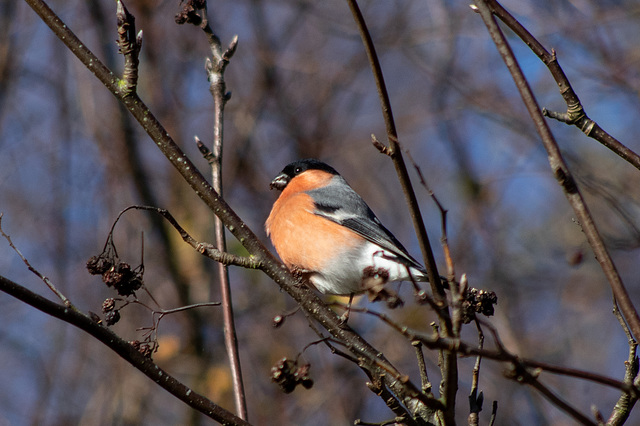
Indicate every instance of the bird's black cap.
{"type": "Point", "coordinates": [292, 170]}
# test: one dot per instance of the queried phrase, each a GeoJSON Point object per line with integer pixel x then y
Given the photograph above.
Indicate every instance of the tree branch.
{"type": "Point", "coordinates": [625, 403]}
{"type": "Point", "coordinates": [130, 45]}
{"type": "Point", "coordinates": [561, 171]}
{"type": "Point", "coordinates": [215, 68]}
{"type": "Point", "coordinates": [205, 249]}
{"type": "Point", "coordinates": [520, 370]}
{"type": "Point", "coordinates": [44, 279]}
{"type": "Point", "coordinates": [575, 114]}
{"type": "Point", "coordinates": [124, 349]}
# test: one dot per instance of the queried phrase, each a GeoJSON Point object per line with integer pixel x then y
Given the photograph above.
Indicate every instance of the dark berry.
{"type": "Point", "coordinates": [98, 265]}
{"type": "Point", "coordinates": [112, 317]}
{"type": "Point", "coordinates": [108, 305]}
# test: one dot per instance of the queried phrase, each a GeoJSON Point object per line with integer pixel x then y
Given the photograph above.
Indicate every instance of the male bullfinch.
{"type": "Point", "coordinates": [324, 230]}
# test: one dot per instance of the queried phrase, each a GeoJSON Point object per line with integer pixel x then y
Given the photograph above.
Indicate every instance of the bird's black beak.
{"type": "Point", "coordinates": [280, 182]}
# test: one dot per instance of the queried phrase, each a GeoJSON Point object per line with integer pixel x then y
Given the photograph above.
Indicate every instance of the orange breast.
{"type": "Point", "coordinates": [302, 239]}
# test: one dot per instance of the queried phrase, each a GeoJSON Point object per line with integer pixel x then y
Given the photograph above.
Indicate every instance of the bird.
{"type": "Point", "coordinates": [323, 230]}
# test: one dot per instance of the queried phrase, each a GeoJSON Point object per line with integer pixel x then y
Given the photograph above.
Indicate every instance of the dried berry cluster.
{"type": "Point", "coordinates": [143, 347]}
{"type": "Point", "coordinates": [374, 280]}
{"type": "Point", "coordinates": [478, 302]}
{"type": "Point", "coordinates": [288, 374]}
{"type": "Point", "coordinates": [189, 13]}
{"type": "Point", "coordinates": [118, 275]}
{"type": "Point", "coordinates": [111, 314]}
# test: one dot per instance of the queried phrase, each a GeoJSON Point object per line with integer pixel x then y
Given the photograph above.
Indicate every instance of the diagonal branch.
{"type": "Point", "coordinates": [124, 349]}
{"type": "Point", "coordinates": [395, 153]}
{"type": "Point", "coordinates": [44, 279]}
{"type": "Point", "coordinates": [561, 171]}
{"type": "Point", "coordinates": [575, 114]}
{"type": "Point", "coordinates": [205, 249]}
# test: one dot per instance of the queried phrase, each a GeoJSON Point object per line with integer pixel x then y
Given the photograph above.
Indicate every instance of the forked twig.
{"type": "Point", "coordinates": [205, 249]}
{"type": "Point", "coordinates": [575, 114]}
{"type": "Point", "coordinates": [560, 169]}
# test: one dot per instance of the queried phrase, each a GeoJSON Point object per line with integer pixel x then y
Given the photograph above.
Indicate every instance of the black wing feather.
{"type": "Point", "coordinates": [339, 203]}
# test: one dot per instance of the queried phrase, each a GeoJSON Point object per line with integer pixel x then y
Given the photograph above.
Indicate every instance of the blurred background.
{"type": "Point", "coordinates": [71, 158]}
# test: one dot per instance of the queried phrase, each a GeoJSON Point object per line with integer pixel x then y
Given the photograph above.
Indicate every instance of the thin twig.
{"type": "Point", "coordinates": [215, 67]}
{"type": "Point", "coordinates": [457, 297]}
{"type": "Point", "coordinates": [44, 279]}
{"type": "Point", "coordinates": [475, 400]}
{"type": "Point", "coordinates": [163, 312]}
{"type": "Point", "coordinates": [328, 341]}
{"type": "Point", "coordinates": [559, 402]}
{"type": "Point", "coordinates": [494, 413]}
{"type": "Point", "coordinates": [621, 321]}
{"type": "Point", "coordinates": [130, 45]}
{"type": "Point", "coordinates": [204, 248]}
{"type": "Point", "coordinates": [422, 367]}
{"type": "Point", "coordinates": [625, 403]}
{"type": "Point", "coordinates": [158, 314]}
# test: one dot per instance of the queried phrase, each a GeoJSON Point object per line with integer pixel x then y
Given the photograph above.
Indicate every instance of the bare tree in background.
{"type": "Point", "coordinates": [73, 157]}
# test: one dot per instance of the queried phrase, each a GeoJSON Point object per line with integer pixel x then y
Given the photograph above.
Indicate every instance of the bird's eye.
{"type": "Point", "coordinates": [298, 170]}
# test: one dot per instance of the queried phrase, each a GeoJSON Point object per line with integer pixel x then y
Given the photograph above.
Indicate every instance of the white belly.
{"type": "Point", "coordinates": [355, 272]}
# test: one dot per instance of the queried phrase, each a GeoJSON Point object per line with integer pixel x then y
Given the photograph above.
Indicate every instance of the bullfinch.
{"type": "Point", "coordinates": [323, 230]}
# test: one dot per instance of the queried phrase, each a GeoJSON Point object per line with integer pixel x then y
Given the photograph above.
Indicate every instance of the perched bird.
{"type": "Point", "coordinates": [323, 229]}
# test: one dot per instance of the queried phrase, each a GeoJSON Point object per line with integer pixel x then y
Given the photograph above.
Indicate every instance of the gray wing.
{"type": "Point", "coordinates": [339, 203]}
